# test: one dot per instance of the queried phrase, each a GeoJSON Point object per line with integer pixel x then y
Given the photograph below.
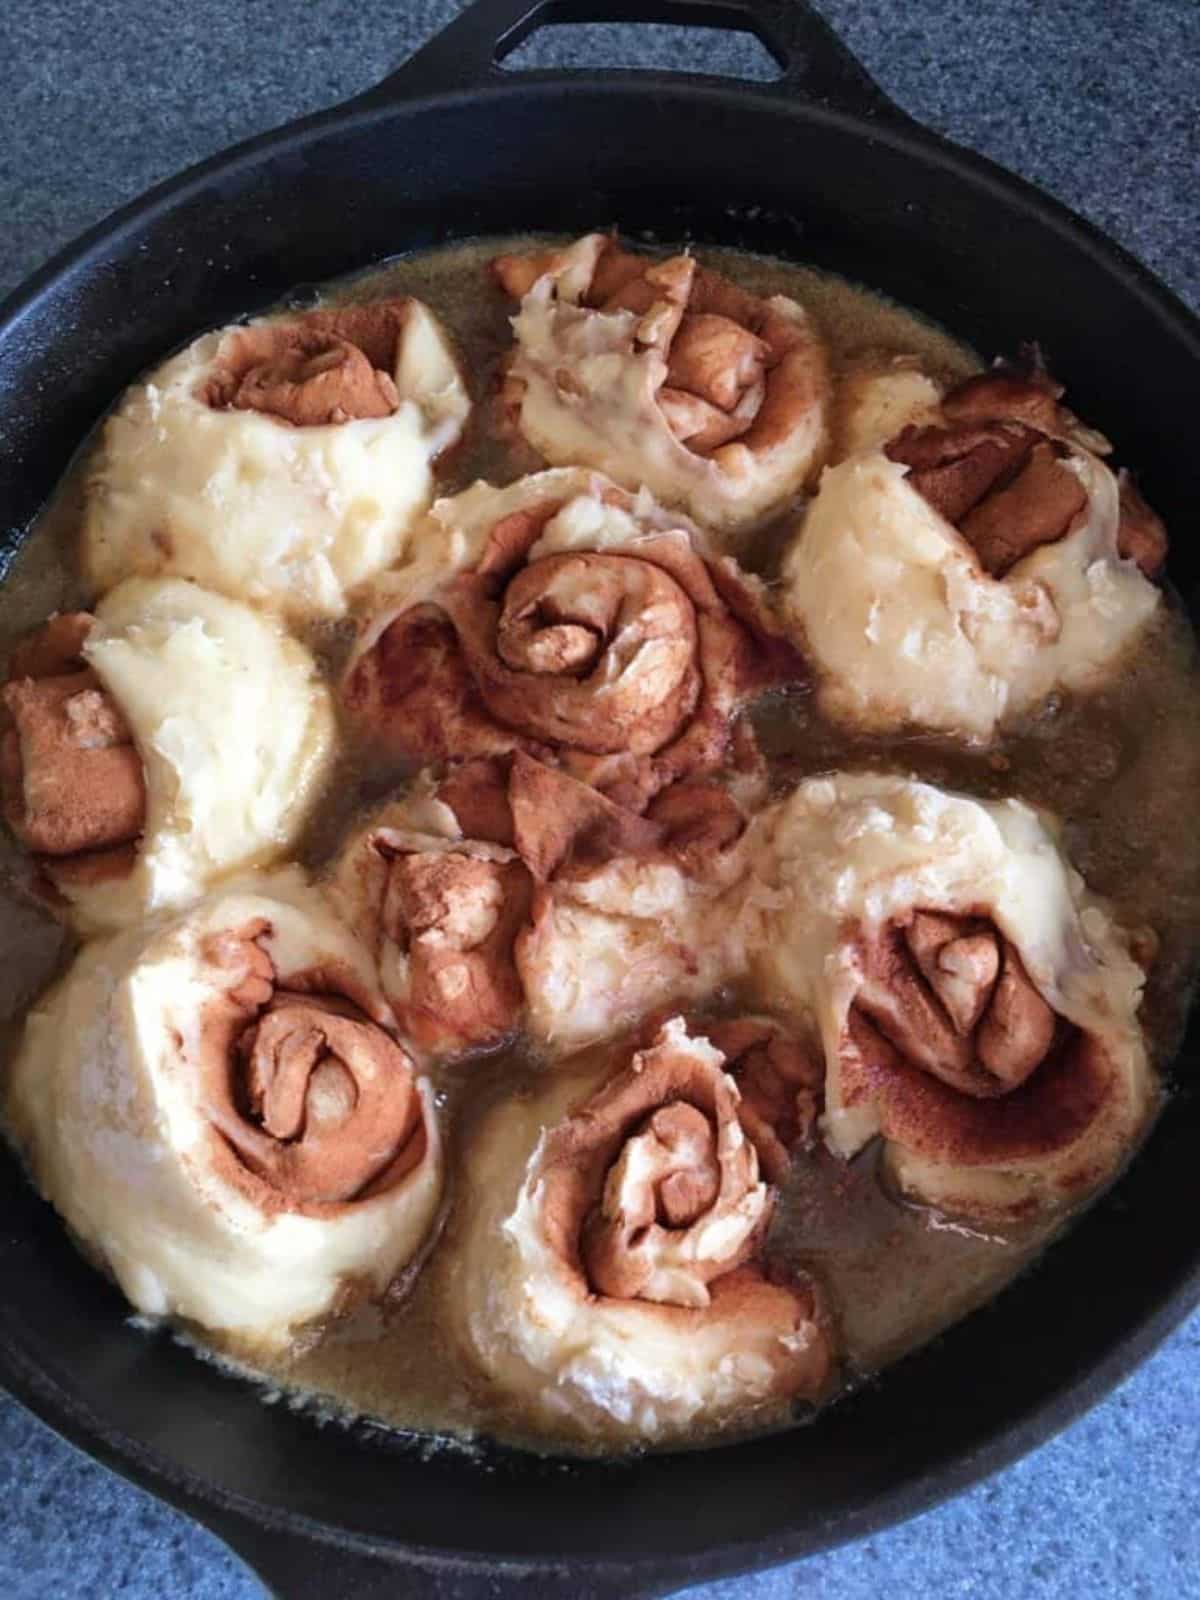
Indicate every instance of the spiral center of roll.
{"type": "Point", "coordinates": [594, 651]}
{"type": "Point", "coordinates": [563, 613]}
{"type": "Point", "coordinates": [677, 1158]}
{"type": "Point", "coordinates": [323, 1105]}
{"type": "Point", "coordinates": [681, 1203]}
{"type": "Point", "coordinates": [659, 1190]}
{"type": "Point", "coordinates": [318, 368]}
{"type": "Point", "coordinates": [292, 1080]}
{"type": "Point", "coordinates": [952, 995]}
{"type": "Point", "coordinates": [553, 623]}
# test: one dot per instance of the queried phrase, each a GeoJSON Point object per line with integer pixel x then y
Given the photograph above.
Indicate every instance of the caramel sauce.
{"type": "Point", "coordinates": [1122, 767]}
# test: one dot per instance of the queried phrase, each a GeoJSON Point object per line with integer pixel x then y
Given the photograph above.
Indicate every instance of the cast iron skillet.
{"type": "Point", "coordinates": [819, 166]}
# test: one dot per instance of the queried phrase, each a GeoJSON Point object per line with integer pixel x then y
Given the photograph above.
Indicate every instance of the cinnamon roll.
{"type": "Point", "coordinates": [156, 745]}
{"type": "Point", "coordinates": [666, 374]}
{"type": "Point", "coordinates": [975, 562]}
{"type": "Point", "coordinates": [566, 618]}
{"type": "Point", "coordinates": [978, 1007]}
{"type": "Point", "coordinates": [611, 1272]}
{"type": "Point", "coordinates": [218, 1109]}
{"type": "Point", "coordinates": [506, 893]}
{"type": "Point", "coordinates": [282, 462]}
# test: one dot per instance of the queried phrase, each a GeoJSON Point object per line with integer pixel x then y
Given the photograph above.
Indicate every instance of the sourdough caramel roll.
{"type": "Point", "coordinates": [154, 746]}
{"type": "Point", "coordinates": [977, 1005]}
{"type": "Point", "coordinates": [219, 1111]}
{"type": "Point", "coordinates": [611, 1274]}
{"type": "Point", "coordinates": [506, 893]}
{"type": "Point", "coordinates": [666, 374]}
{"type": "Point", "coordinates": [566, 618]}
{"type": "Point", "coordinates": [982, 557]}
{"type": "Point", "coordinates": [283, 462]}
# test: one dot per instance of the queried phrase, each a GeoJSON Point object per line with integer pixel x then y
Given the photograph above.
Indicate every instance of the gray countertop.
{"type": "Point", "coordinates": [1093, 99]}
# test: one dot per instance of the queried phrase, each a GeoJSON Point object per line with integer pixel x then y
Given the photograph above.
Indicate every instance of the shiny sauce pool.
{"type": "Point", "coordinates": [1122, 767]}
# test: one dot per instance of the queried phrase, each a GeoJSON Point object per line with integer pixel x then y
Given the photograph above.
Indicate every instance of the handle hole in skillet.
{"type": "Point", "coordinates": [662, 47]}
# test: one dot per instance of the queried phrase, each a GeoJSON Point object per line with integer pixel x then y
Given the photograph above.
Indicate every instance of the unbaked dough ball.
{"type": "Point", "coordinates": [283, 462]}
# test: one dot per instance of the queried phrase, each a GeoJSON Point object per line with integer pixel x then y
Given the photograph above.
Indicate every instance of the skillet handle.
{"type": "Point", "coordinates": [293, 1567]}
{"type": "Point", "coordinates": [813, 61]}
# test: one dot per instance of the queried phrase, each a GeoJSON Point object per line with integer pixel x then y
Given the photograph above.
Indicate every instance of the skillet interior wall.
{"type": "Point", "coordinates": [678, 163]}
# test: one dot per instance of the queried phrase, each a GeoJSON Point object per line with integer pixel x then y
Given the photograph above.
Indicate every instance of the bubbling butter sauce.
{"type": "Point", "coordinates": [1122, 766]}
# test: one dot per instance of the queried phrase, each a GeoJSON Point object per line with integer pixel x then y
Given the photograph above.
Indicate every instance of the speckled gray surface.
{"type": "Point", "coordinates": [1095, 100]}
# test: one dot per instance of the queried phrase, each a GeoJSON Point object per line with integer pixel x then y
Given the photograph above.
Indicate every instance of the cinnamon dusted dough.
{"type": "Point", "coordinates": [601, 1321]}
{"type": "Point", "coordinates": [906, 627]}
{"type": "Point", "coordinates": [441, 914]}
{"type": "Point", "coordinates": [234, 729]}
{"type": "Point", "coordinates": [215, 1107]}
{"type": "Point", "coordinates": [570, 619]}
{"type": "Point", "coordinates": [202, 473]}
{"type": "Point", "coordinates": [851, 874]}
{"type": "Point", "coordinates": [669, 376]}
{"type": "Point", "coordinates": [507, 894]}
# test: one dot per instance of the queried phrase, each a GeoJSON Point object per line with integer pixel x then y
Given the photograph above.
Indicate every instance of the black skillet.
{"type": "Point", "coordinates": [817, 166]}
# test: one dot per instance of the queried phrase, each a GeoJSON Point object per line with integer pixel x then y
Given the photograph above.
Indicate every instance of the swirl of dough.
{"type": "Point", "coordinates": [780, 1081]}
{"type": "Point", "coordinates": [70, 776]}
{"type": "Point", "coordinates": [577, 623]}
{"type": "Point", "coordinates": [217, 1109]}
{"type": "Point", "coordinates": [170, 738]}
{"type": "Point", "coordinates": [983, 556]}
{"type": "Point", "coordinates": [322, 1105]}
{"type": "Point", "coordinates": [284, 462]}
{"type": "Point", "coordinates": [949, 993]}
{"type": "Point", "coordinates": [481, 892]}
{"type": "Point", "coordinates": [977, 1006]}
{"type": "Point", "coordinates": [668, 375]}
{"type": "Point", "coordinates": [441, 914]}
{"type": "Point", "coordinates": [625, 1295]}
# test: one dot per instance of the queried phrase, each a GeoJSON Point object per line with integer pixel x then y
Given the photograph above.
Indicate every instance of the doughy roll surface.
{"type": "Point", "coordinates": [611, 1270]}
{"type": "Point", "coordinates": [665, 374]}
{"type": "Point", "coordinates": [283, 462]}
{"type": "Point", "coordinates": [184, 737]}
{"type": "Point", "coordinates": [220, 1112]}
{"type": "Point", "coordinates": [977, 1006]}
{"type": "Point", "coordinates": [954, 575]}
